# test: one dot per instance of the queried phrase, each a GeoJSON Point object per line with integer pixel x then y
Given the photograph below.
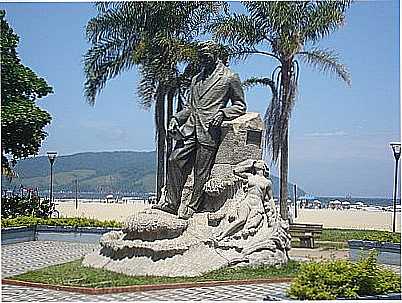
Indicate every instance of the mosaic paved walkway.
{"type": "Point", "coordinates": [219, 293]}
{"type": "Point", "coordinates": [26, 256]}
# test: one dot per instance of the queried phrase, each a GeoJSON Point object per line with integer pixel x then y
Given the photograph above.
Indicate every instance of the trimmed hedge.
{"type": "Point", "coordinates": [343, 279]}
{"type": "Point", "coordinates": [75, 222]}
{"type": "Point", "coordinates": [343, 235]}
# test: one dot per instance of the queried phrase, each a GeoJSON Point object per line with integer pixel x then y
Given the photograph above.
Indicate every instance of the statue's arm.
{"type": "Point", "coordinates": [269, 203]}
{"type": "Point", "coordinates": [236, 96]}
{"type": "Point", "coordinates": [253, 224]}
{"type": "Point", "coordinates": [237, 224]}
{"type": "Point", "coordinates": [183, 115]}
{"type": "Point", "coordinates": [241, 171]}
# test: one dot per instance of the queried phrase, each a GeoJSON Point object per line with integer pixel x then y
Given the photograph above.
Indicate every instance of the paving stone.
{"type": "Point", "coordinates": [26, 256]}
{"type": "Point", "coordinates": [22, 257]}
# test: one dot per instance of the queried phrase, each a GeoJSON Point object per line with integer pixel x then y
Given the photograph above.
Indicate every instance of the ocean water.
{"type": "Point", "coordinates": [368, 201]}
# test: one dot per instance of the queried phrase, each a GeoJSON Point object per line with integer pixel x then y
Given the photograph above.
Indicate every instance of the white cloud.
{"type": "Point", "coordinates": [326, 134]}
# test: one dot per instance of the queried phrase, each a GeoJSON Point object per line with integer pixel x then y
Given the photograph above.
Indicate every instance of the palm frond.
{"type": "Point", "coordinates": [122, 20]}
{"type": "Point", "coordinates": [323, 18]}
{"type": "Point", "coordinates": [254, 81]}
{"type": "Point", "coordinates": [146, 89]}
{"type": "Point", "coordinates": [238, 29]}
{"type": "Point", "coordinates": [105, 61]}
{"type": "Point", "coordinates": [276, 17]}
{"type": "Point", "coordinates": [326, 61]}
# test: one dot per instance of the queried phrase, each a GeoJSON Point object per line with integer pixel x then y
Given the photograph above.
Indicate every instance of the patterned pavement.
{"type": "Point", "coordinates": [26, 256]}
{"type": "Point", "coordinates": [22, 257]}
{"type": "Point", "coordinates": [254, 292]}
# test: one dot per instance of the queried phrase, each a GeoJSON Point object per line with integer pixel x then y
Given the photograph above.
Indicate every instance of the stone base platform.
{"type": "Point", "coordinates": [174, 247]}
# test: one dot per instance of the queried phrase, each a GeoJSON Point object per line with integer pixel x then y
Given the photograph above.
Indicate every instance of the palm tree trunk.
{"type": "Point", "coordinates": [284, 166]}
{"type": "Point", "coordinates": [284, 161]}
{"type": "Point", "coordinates": [161, 139]}
{"type": "Point", "coordinates": [169, 141]}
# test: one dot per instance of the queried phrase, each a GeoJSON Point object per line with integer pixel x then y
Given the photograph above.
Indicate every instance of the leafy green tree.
{"type": "Point", "coordinates": [285, 31]}
{"type": "Point", "coordinates": [22, 122]}
{"type": "Point", "coordinates": [158, 38]}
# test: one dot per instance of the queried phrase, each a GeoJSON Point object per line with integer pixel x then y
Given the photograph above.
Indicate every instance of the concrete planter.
{"type": "Point", "coordinates": [53, 233]}
{"type": "Point", "coordinates": [12, 235]}
{"type": "Point", "coordinates": [378, 298]}
{"type": "Point", "coordinates": [388, 253]}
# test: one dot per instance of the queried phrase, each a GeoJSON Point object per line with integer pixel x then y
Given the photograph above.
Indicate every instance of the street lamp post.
{"type": "Point", "coordinates": [396, 148]}
{"type": "Point", "coordinates": [52, 157]}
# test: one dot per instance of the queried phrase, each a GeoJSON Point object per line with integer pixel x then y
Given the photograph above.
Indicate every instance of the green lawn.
{"type": "Point", "coordinates": [74, 274]}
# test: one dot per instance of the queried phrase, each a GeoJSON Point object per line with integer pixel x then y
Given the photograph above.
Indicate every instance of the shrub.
{"type": "Point", "coordinates": [14, 206]}
{"type": "Point", "coordinates": [75, 222]}
{"type": "Point", "coordinates": [342, 278]}
{"type": "Point", "coordinates": [343, 235]}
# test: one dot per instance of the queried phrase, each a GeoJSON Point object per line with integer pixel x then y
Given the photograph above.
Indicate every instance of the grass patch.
{"type": "Point", "coordinates": [74, 274]}
{"type": "Point", "coordinates": [343, 235]}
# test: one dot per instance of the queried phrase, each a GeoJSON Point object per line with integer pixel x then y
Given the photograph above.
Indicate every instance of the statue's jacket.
{"type": "Point", "coordinates": [206, 99]}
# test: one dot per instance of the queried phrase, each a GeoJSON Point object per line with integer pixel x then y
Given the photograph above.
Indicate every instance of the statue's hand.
{"type": "Point", "coordinates": [217, 119]}
{"type": "Point", "coordinates": [173, 124]}
{"type": "Point", "coordinates": [213, 187]}
{"type": "Point", "coordinates": [232, 215]}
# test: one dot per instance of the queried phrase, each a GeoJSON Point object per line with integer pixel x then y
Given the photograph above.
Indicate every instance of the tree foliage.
{"type": "Point", "coordinates": [158, 37]}
{"type": "Point", "coordinates": [286, 32]}
{"type": "Point", "coordinates": [22, 121]}
{"type": "Point", "coordinates": [154, 35]}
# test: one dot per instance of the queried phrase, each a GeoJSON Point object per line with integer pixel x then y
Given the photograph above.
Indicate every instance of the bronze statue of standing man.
{"type": "Point", "coordinates": [198, 126]}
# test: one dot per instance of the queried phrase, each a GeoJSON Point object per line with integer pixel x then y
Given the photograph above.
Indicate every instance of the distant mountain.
{"type": "Point", "coordinates": [120, 171]}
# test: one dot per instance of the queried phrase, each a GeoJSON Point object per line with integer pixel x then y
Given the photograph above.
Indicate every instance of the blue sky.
{"type": "Point", "coordinates": [339, 138]}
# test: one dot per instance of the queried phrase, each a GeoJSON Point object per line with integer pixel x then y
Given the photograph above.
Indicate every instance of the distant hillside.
{"type": "Point", "coordinates": [122, 171]}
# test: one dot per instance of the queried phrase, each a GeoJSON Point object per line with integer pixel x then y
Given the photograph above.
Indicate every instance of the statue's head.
{"type": "Point", "coordinates": [261, 168]}
{"type": "Point", "coordinates": [209, 52]}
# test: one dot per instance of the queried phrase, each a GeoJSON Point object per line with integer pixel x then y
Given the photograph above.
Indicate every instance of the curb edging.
{"type": "Point", "coordinates": [138, 288]}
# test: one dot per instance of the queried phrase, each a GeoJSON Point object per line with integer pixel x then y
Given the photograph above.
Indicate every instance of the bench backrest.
{"type": "Point", "coordinates": [297, 229]}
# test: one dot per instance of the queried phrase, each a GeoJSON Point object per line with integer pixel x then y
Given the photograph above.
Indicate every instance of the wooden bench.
{"type": "Point", "coordinates": [306, 233]}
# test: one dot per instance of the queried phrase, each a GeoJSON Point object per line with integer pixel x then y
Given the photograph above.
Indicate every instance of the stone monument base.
{"type": "Point", "coordinates": [156, 243]}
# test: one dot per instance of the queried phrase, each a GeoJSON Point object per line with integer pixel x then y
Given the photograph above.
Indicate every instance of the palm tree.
{"type": "Point", "coordinates": [286, 32]}
{"type": "Point", "coordinates": [156, 36]}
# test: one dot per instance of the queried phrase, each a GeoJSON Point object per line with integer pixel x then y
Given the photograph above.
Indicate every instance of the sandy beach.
{"type": "Point", "coordinates": [358, 219]}
{"type": "Point", "coordinates": [100, 211]}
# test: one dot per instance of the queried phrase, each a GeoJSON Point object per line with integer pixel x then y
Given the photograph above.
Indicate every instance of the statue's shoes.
{"type": "Point", "coordinates": [165, 208]}
{"type": "Point", "coordinates": [187, 214]}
